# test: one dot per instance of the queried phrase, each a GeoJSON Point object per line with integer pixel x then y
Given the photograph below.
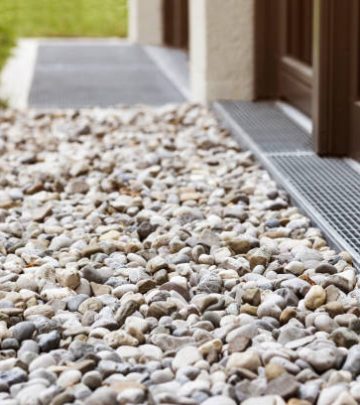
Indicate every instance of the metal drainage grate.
{"type": "Point", "coordinates": [268, 126]}
{"type": "Point", "coordinates": [331, 186]}
{"type": "Point", "coordinates": [327, 189]}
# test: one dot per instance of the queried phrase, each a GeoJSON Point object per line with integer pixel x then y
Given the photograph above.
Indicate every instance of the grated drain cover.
{"type": "Point", "coordinates": [333, 189]}
{"type": "Point", "coordinates": [327, 189]}
{"type": "Point", "coordinates": [269, 127]}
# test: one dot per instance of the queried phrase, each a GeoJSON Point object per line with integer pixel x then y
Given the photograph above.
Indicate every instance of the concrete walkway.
{"type": "Point", "coordinates": [87, 73]}
{"type": "Point", "coordinates": [75, 73]}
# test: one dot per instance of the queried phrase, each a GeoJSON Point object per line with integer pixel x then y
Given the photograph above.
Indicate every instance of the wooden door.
{"type": "Point", "coordinates": [313, 62]}
{"type": "Point", "coordinates": [355, 81]}
{"type": "Point", "coordinates": [295, 79]}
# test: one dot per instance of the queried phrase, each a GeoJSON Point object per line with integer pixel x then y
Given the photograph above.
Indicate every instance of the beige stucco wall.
{"type": "Point", "coordinates": [145, 22]}
{"type": "Point", "coordinates": [222, 49]}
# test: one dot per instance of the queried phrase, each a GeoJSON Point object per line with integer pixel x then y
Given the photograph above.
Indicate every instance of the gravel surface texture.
{"type": "Point", "coordinates": [146, 259]}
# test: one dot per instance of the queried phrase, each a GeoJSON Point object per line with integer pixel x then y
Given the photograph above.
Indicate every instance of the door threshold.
{"type": "Point", "coordinates": [327, 190]}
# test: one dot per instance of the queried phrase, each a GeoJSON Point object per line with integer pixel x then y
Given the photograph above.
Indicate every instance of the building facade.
{"type": "Point", "coordinates": [304, 52]}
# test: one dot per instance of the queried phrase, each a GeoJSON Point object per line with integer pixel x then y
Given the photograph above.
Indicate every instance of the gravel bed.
{"type": "Point", "coordinates": [146, 259]}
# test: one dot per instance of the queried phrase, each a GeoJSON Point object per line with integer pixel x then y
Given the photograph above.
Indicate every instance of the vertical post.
{"type": "Point", "coordinates": [146, 21]}
{"type": "Point", "coordinates": [355, 80]}
{"type": "Point", "coordinates": [222, 49]}
{"type": "Point", "coordinates": [176, 23]}
{"type": "Point", "coordinates": [267, 43]}
{"type": "Point", "coordinates": [331, 112]}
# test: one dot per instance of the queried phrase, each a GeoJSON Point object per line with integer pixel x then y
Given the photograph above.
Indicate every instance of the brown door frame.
{"type": "Point", "coordinates": [176, 23]}
{"type": "Point", "coordinates": [332, 50]}
{"type": "Point", "coordinates": [331, 68]}
{"type": "Point", "coordinates": [275, 72]}
{"type": "Point", "coordinates": [267, 50]}
{"type": "Point", "coordinates": [355, 81]}
{"type": "Point", "coordinates": [295, 74]}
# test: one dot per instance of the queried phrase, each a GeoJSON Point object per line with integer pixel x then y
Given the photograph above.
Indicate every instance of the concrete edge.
{"type": "Point", "coordinates": [332, 237]}
{"type": "Point", "coordinates": [173, 65]}
{"type": "Point", "coordinates": [17, 75]}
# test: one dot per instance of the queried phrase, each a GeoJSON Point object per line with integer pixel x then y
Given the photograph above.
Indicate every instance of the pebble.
{"type": "Point", "coordinates": [68, 378]}
{"type": "Point", "coordinates": [315, 297]}
{"type": "Point", "coordinates": [326, 268]}
{"type": "Point", "coordinates": [101, 396]}
{"type": "Point", "coordinates": [295, 267]}
{"type": "Point", "coordinates": [265, 400]}
{"type": "Point", "coordinates": [239, 344]}
{"type": "Point", "coordinates": [285, 386]}
{"type": "Point", "coordinates": [273, 371]}
{"type": "Point", "coordinates": [321, 359]}
{"type": "Point", "coordinates": [42, 361]}
{"type": "Point", "coordinates": [147, 258]}
{"type": "Point", "coordinates": [344, 337]}
{"type": "Point", "coordinates": [49, 341]}
{"type": "Point", "coordinates": [252, 296]}
{"type": "Point", "coordinates": [329, 395]}
{"type": "Point", "coordinates": [249, 360]}
{"type": "Point", "coordinates": [162, 376]}
{"type": "Point", "coordinates": [14, 376]}
{"type": "Point", "coordinates": [352, 362]}
{"type": "Point", "coordinates": [23, 330]}
{"type": "Point", "coordinates": [219, 399]}
{"type": "Point", "coordinates": [186, 357]}
{"type": "Point", "coordinates": [131, 396]}
{"type": "Point", "coordinates": [92, 379]}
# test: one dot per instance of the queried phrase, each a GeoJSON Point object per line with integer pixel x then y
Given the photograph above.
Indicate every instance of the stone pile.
{"type": "Point", "coordinates": [146, 259]}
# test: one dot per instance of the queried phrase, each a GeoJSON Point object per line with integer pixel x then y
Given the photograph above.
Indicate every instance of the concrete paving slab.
{"type": "Point", "coordinates": [174, 63]}
{"type": "Point", "coordinates": [74, 74]}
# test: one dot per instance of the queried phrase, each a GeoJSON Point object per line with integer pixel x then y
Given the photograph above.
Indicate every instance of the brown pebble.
{"type": "Point", "coordinates": [296, 401]}
{"type": "Point", "coordinates": [287, 314]}
{"type": "Point", "coordinates": [248, 309]}
{"type": "Point", "coordinates": [273, 370]}
{"type": "Point", "coordinates": [252, 296]}
{"type": "Point", "coordinates": [334, 308]}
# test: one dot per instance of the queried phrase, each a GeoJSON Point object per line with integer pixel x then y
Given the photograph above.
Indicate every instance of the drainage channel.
{"type": "Point", "coordinates": [326, 189]}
